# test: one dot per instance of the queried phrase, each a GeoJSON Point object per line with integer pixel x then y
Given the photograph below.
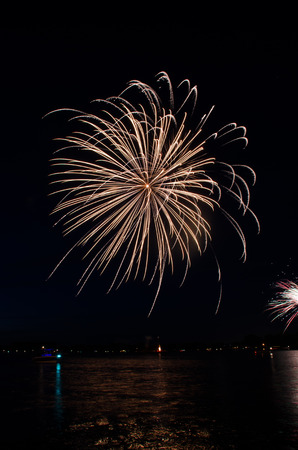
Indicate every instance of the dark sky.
{"type": "Point", "coordinates": [250, 75]}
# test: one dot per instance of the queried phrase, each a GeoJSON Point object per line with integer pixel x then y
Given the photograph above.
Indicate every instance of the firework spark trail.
{"type": "Point", "coordinates": [285, 305]}
{"type": "Point", "coordinates": [142, 180]}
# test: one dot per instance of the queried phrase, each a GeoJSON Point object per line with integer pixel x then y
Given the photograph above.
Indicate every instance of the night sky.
{"type": "Point", "coordinates": [250, 75]}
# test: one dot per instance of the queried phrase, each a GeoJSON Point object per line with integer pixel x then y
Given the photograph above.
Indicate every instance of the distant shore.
{"type": "Point", "coordinates": [249, 344]}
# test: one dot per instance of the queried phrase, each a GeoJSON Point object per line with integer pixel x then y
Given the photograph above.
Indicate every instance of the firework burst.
{"type": "Point", "coordinates": [141, 179]}
{"type": "Point", "coordinates": [285, 305]}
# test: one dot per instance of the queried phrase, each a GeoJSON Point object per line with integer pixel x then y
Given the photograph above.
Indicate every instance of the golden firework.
{"type": "Point", "coordinates": [140, 181]}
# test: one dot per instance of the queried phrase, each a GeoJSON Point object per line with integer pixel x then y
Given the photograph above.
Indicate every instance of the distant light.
{"type": "Point", "coordinates": [59, 356]}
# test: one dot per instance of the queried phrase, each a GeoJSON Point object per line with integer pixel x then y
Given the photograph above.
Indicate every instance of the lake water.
{"type": "Point", "coordinates": [184, 401]}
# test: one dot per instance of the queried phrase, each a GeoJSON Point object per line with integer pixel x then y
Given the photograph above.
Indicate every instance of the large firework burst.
{"type": "Point", "coordinates": [142, 179]}
{"type": "Point", "coordinates": [285, 304]}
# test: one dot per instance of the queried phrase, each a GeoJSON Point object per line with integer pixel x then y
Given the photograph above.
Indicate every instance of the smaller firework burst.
{"type": "Point", "coordinates": [285, 305]}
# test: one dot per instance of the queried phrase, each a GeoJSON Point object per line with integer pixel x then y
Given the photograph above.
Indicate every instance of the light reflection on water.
{"type": "Point", "coordinates": [285, 389]}
{"type": "Point", "coordinates": [58, 397]}
{"type": "Point", "coordinates": [217, 401]}
{"type": "Point", "coordinates": [144, 402]}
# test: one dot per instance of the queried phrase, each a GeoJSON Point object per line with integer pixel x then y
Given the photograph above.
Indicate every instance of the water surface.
{"type": "Point", "coordinates": [183, 401]}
